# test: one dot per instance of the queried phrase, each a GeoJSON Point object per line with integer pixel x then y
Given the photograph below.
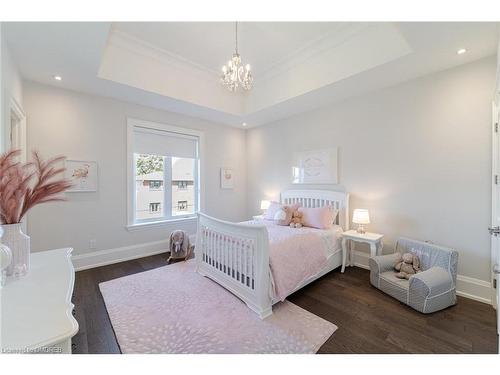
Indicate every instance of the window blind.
{"type": "Point", "coordinates": [165, 143]}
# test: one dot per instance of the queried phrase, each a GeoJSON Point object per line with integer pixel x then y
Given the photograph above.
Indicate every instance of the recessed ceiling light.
{"type": "Point", "coordinates": [244, 124]}
{"type": "Point", "coordinates": [461, 51]}
{"type": "Point", "coordinates": [58, 78]}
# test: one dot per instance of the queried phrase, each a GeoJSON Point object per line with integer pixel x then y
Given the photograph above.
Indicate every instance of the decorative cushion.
{"type": "Point", "coordinates": [274, 207]}
{"type": "Point", "coordinates": [283, 216]}
{"type": "Point", "coordinates": [318, 217]}
{"type": "Point", "coordinates": [271, 210]}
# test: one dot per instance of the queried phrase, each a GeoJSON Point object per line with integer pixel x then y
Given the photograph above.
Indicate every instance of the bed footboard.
{"type": "Point", "coordinates": [236, 256]}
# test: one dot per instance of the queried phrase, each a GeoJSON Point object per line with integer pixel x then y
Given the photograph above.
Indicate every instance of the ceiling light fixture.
{"type": "Point", "coordinates": [461, 51]}
{"type": "Point", "coordinates": [58, 78]}
{"type": "Point", "coordinates": [234, 74]}
{"type": "Point", "coordinates": [244, 124]}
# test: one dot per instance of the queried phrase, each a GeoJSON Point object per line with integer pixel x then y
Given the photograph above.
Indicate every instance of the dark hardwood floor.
{"type": "Point", "coordinates": [369, 321]}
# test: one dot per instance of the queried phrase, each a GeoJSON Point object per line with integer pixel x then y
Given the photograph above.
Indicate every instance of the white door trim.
{"type": "Point", "coordinates": [495, 241]}
{"type": "Point", "coordinates": [495, 190]}
{"type": "Point", "coordinates": [15, 110]}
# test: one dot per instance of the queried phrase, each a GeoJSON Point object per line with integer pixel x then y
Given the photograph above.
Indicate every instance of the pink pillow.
{"type": "Point", "coordinates": [275, 207]}
{"type": "Point", "coordinates": [319, 217]}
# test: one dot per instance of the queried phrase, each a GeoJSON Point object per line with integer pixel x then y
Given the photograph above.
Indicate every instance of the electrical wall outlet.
{"type": "Point", "coordinates": [93, 244]}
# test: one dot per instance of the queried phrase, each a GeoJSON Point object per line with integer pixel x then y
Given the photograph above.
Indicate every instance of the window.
{"type": "Point", "coordinates": [182, 205]}
{"type": "Point", "coordinates": [154, 207]}
{"type": "Point", "coordinates": [165, 169]}
{"type": "Point", "coordinates": [155, 185]}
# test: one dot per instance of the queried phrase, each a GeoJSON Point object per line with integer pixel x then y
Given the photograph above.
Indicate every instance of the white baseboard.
{"type": "Point", "coordinates": [121, 254]}
{"type": "Point", "coordinates": [117, 255]}
{"type": "Point", "coordinates": [468, 287]}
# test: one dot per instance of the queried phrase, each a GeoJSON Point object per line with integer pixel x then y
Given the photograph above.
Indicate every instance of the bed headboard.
{"type": "Point", "coordinates": [319, 198]}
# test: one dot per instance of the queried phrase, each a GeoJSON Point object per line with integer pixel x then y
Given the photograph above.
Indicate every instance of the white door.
{"type": "Point", "coordinates": [495, 212]}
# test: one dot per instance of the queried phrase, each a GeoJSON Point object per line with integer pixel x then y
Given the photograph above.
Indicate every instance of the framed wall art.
{"type": "Point", "coordinates": [83, 175]}
{"type": "Point", "coordinates": [226, 178]}
{"type": "Point", "coordinates": [316, 167]}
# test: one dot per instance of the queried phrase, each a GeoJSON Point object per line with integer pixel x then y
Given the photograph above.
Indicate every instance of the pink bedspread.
{"type": "Point", "coordinates": [295, 255]}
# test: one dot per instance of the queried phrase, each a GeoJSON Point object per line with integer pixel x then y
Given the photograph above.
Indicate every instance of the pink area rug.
{"type": "Point", "coordinates": [172, 309]}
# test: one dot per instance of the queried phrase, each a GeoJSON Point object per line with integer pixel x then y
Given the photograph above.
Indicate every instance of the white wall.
{"type": "Point", "coordinates": [417, 155]}
{"type": "Point", "coordinates": [497, 93]}
{"type": "Point", "coordinates": [86, 127]}
{"type": "Point", "coordinates": [11, 86]}
{"type": "Point", "coordinates": [1, 91]}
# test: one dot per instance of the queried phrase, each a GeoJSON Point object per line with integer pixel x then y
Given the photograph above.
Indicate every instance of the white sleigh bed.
{"type": "Point", "coordinates": [236, 255]}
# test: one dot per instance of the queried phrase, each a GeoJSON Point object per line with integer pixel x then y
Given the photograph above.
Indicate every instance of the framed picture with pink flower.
{"type": "Point", "coordinates": [226, 178]}
{"type": "Point", "coordinates": [83, 175]}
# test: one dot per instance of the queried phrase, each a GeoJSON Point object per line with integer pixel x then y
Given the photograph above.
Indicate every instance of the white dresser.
{"type": "Point", "coordinates": [36, 310]}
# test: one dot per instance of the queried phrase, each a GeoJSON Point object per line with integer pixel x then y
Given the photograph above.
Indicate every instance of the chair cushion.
{"type": "Point", "coordinates": [390, 276]}
{"type": "Point", "coordinates": [397, 288]}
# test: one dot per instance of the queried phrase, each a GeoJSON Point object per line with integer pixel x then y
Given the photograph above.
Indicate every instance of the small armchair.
{"type": "Point", "coordinates": [428, 291]}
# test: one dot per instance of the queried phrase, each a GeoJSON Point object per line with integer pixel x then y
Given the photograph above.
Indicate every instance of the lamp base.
{"type": "Point", "coordinates": [361, 229]}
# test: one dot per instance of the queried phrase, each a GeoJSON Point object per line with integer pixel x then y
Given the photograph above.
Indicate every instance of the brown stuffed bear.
{"type": "Point", "coordinates": [407, 265]}
{"type": "Point", "coordinates": [296, 219]}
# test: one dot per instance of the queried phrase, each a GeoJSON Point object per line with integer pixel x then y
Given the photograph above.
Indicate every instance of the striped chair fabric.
{"type": "Point", "coordinates": [428, 291]}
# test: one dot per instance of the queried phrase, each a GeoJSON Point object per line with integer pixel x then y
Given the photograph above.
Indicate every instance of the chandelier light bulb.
{"type": "Point", "coordinates": [234, 73]}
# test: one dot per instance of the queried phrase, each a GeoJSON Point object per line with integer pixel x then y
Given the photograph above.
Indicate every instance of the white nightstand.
{"type": "Point", "coordinates": [258, 217]}
{"type": "Point", "coordinates": [373, 239]}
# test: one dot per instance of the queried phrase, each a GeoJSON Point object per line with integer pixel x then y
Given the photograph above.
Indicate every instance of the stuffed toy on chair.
{"type": "Point", "coordinates": [296, 220]}
{"type": "Point", "coordinates": [407, 265]}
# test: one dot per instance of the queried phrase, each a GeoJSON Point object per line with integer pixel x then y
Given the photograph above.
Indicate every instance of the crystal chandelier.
{"type": "Point", "coordinates": [234, 74]}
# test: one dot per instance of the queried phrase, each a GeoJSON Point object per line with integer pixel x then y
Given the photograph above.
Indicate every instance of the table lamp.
{"type": "Point", "coordinates": [361, 217]}
{"type": "Point", "coordinates": [264, 205]}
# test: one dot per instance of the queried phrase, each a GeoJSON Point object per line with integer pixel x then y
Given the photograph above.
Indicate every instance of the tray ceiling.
{"type": "Point", "coordinates": [297, 65]}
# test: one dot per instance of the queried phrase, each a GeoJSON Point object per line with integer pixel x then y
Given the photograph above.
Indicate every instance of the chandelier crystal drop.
{"type": "Point", "coordinates": [234, 74]}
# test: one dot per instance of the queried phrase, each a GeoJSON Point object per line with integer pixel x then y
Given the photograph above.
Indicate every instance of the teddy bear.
{"type": "Point", "coordinates": [296, 220]}
{"type": "Point", "coordinates": [407, 265]}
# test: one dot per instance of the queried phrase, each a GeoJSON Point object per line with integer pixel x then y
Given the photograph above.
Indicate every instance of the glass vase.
{"type": "Point", "coordinates": [19, 244]}
{"type": "Point", "coordinates": [5, 259]}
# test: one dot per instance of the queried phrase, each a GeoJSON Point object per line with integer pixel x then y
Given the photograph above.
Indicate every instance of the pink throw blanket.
{"type": "Point", "coordinates": [295, 255]}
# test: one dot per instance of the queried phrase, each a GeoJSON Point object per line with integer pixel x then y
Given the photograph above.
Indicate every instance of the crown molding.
{"type": "Point", "coordinates": [330, 39]}
{"type": "Point", "coordinates": [121, 39]}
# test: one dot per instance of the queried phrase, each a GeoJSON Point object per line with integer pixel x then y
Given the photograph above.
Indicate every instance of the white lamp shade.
{"type": "Point", "coordinates": [360, 216]}
{"type": "Point", "coordinates": [264, 205]}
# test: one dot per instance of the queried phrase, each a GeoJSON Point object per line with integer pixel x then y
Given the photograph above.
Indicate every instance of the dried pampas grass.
{"type": "Point", "coordinates": [23, 186]}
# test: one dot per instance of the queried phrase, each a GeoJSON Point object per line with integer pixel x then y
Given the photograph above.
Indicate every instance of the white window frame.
{"type": "Point", "coordinates": [132, 224]}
